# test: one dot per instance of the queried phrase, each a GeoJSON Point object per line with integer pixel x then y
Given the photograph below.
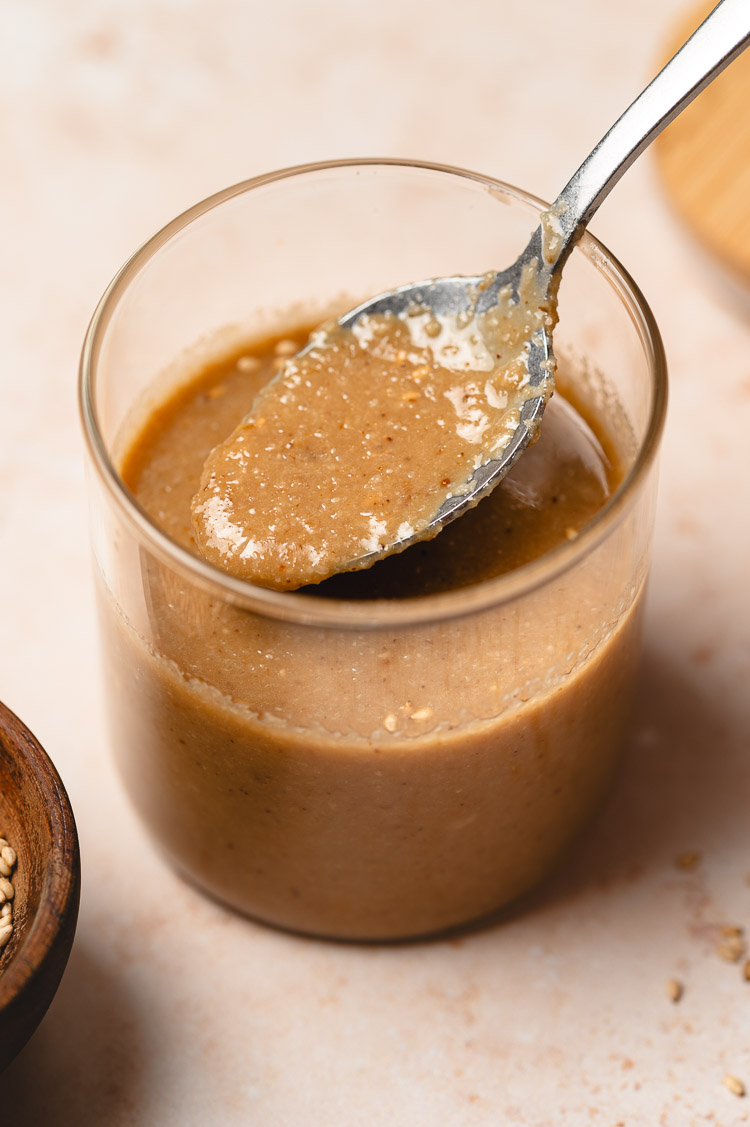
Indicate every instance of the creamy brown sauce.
{"type": "Point", "coordinates": [356, 443]}
{"type": "Point", "coordinates": [373, 783]}
{"type": "Point", "coordinates": [553, 491]}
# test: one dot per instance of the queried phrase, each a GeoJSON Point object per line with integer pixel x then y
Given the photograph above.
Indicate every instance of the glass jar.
{"type": "Point", "coordinates": [360, 770]}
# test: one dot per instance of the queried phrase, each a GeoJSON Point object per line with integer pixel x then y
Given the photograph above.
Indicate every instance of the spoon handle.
{"type": "Point", "coordinates": [721, 37]}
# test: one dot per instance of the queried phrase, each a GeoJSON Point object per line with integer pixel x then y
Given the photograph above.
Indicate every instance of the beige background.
{"type": "Point", "coordinates": [115, 116]}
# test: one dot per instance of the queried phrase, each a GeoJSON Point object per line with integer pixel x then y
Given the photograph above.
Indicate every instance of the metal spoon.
{"type": "Point", "coordinates": [721, 37]}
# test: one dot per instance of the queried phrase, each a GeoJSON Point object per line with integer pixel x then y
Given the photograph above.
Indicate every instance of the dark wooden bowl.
{"type": "Point", "coordinates": [36, 817]}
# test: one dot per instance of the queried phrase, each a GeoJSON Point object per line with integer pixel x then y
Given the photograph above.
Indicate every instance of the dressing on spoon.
{"type": "Point", "coordinates": [357, 442]}
{"type": "Point", "coordinates": [408, 410]}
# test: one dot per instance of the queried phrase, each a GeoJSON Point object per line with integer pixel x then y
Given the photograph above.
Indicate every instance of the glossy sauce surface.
{"type": "Point", "coordinates": [555, 489]}
{"type": "Point", "coordinates": [352, 449]}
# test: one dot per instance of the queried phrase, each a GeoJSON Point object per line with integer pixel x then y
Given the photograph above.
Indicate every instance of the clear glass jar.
{"type": "Point", "coordinates": [363, 770]}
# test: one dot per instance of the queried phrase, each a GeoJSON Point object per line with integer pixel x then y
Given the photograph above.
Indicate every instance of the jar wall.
{"type": "Point", "coordinates": [369, 774]}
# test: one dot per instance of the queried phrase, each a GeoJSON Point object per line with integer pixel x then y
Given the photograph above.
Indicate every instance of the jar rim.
{"type": "Point", "coordinates": [312, 610]}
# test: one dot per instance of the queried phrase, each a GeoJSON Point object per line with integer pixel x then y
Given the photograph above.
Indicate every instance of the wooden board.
{"type": "Point", "coordinates": [704, 158]}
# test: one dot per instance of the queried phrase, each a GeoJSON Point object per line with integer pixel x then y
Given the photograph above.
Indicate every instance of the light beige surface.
{"type": "Point", "coordinates": [115, 116]}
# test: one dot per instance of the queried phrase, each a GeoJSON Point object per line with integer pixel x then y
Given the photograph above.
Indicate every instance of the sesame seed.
{"type": "Point", "coordinates": [732, 946]}
{"type": "Point", "coordinates": [674, 990]}
{"type": "Point", "coordinates": [7, 892]}
{"type": "Point", "coordinates": [735, 1086]}
{"type": "Point", "coordinates": [688, 861]}
{"type": "Point", "coordinates": [248, 363]}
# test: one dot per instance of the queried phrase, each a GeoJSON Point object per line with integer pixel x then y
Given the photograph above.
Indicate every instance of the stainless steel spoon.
{"type": "Point", "coordinates": [721, 37]}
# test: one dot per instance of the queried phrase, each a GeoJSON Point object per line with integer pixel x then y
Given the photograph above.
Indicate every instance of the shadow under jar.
{"type": "Point", "coordinates": [375, 769]}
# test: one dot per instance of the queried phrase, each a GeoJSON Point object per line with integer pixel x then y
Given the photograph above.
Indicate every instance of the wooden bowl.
{"type": "Point", "coordinates": [36, 817]}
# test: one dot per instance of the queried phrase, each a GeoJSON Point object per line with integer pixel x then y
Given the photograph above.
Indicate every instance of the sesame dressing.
{"type": "Point", "coordinates": [356, 443]}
